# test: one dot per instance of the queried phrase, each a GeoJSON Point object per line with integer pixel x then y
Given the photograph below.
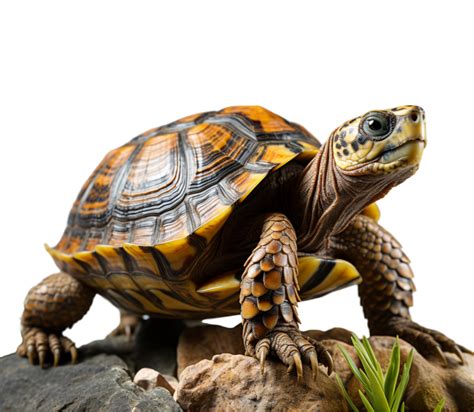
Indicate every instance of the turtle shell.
{"type": "Point", "coordinates": [154, 204]}
{"type": "Point", "coordinates": [182, 178]}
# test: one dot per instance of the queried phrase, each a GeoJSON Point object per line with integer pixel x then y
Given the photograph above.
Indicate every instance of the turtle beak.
{"type": "Point", "coordinates": [409, 141]}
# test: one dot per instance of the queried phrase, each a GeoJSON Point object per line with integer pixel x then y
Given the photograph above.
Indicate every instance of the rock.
{"type": "Point", "coordinates": [211, 380]}
{"type": "Point", "coordinates": [148, 379]}
{"type": "Point", "coordinates": [234, 382]}
{"type": "Point", "coordinates": [203, 342]}
{"type": "Point", "coordinates": [98, 383]}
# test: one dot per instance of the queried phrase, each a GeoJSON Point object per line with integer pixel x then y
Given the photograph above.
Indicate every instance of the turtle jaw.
{"type": "Point", "coordinates": [406, 155]}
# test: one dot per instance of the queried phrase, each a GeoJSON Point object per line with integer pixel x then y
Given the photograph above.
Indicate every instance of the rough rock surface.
{"type": "Point", "coordinates": [235, 383]}
{"type": "Point", "coordinates": [212, 379]}
{"type": "Point", "coordinates": [203, 342]}
{"type": "Point", "coordinates": [100, 383]}
{"type": "Point", "coordinates": [216, 383]}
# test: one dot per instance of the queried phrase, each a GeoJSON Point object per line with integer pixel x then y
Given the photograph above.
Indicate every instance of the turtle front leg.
{"type": "Point", "coordinates": [386, 292]}
{"type": "Point", "coordinates": [269, 296]}
{"type": "Point", "coordinates": [53, 305]}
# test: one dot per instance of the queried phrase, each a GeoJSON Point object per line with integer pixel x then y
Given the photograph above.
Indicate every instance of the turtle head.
{"type": "Point", "coordinates": [381, 142]}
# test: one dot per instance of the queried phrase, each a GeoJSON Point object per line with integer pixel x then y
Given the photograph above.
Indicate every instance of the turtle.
{"type": "Point", "coordinates": [238, 211]}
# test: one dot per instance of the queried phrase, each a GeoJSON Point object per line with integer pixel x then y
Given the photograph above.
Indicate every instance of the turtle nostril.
{"type": "Point", "coordinates": [414, 116]}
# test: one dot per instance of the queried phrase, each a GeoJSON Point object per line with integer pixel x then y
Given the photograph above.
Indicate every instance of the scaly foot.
{"type": "Point", "coordinates": [37, 345]}
{"type": "Point", "coordinates": [293, 349]}
{"type": "Point", "coordinates": [128, 325]}
{"type": "Point", "coordinates": [427, 341]}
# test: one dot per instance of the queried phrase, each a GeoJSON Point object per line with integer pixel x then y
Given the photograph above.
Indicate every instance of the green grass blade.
{"type": "Point", "coordinates": [374, 389]}
{"type": "Point", "coordinates": [376, 394]}
{"type": "Point", "coordinates": [365, 382]}
{"type": "Point", "coordinates": [366, 402]}
{"type": "Point", "coordinates": [397, 398]}
{"type": "Point", "coordinates": [364, 357]}
{"type": "Point", "coordinates": [440, 406]}
{"type": "Point", "coordinates": [392, 372]}
{"type": "Point", "coordinates": [402, 409]}
{"type": "Point", "coordinates": [343, 390]}
{"type": "Point", "coordinates": [371, 354]}
{"type": "Point", "coordinates": [352, 365]}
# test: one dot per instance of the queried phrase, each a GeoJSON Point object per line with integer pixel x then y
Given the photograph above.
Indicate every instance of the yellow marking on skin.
{"type": "Point", "coordinates": [65, 262]}
{"type": "Point", "coordinates": [149, 307]}
{"type": "Point", "coordinates": [144, 260]}
{"type": "Point", "coordinates": [111, 256]}
{"type": "Point", "coordinates": [342, 274]}
{"type": "Point", "coordinates": [92, 262]}
{"type": "Point", "coordinates": [177, 252]}
{"type": "Point", "coordinates": [307, 267]}
{"type": "Point", "coordinates": [213, 226]}
{"type": "Point", "coordinates": [173, 304]}
{"type": "Point", "coordinates": [221, 286]}
{"type": "Point", "coordinates": [372, 211]}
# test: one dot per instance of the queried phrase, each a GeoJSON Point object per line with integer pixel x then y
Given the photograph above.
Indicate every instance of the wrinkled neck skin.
{"type": "Point", "coordinates": [326, 198]}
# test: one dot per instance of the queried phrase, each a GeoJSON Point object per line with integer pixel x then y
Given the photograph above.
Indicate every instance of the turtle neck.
{"type": "Point", "coordinates": [326, 199]}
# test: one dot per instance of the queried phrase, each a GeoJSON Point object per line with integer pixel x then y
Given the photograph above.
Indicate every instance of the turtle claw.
{"type": "Point", "coordinates": [426, 341]}
{"type": "Point", "coordinates": [31, 354]}
{"type": "Point", "coordinates": [262, 349]}
{"type": "Point", "coordinates": [313, 359]}
{"type": "Point", "coordinates": [458, 353]}
{"type": "Point", "coordinates": [293, 349]}
{"type": "Point", "coordinates": [441, 355]}
{"type": "Point", "coordinates": [41, 357]}
{"type": "Point", "coordinates": [73, 352]}
{"type": "Point", "coordinates": [299, 367]}
{"type": "Point", "coordinates": [327, 360]}
{"type": "Point", "coordinates": [38, 346]}
{"type": "Point", "coordinates": [57, 356]}
{"type": "Point", "coordinates": [127, 327]}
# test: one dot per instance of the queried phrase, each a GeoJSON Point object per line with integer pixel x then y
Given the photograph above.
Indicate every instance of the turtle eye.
{"type": "Point", "coordinates": [376, 126]}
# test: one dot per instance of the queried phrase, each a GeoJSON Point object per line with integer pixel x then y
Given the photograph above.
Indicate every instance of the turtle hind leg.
{"type": "Point", "coordinates": [53, 305]}
{"type": "Point", "coordinates": [387, 287]}
{"type": "Point", "coordinates": [128, 325]}
{"type": "Point", "coordinates": [268, 297]}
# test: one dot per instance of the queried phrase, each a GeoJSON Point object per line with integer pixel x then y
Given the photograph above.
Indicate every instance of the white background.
{"type": "Point", "coordinates": [80, 78]}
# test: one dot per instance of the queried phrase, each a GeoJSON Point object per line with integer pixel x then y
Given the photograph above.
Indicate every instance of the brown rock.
{"type": "Point", "coordinates": [203, 342]}
{"type": "Point", "coordinates": [150, 379]}
{"type": "Point", "coordinates": [235, 383]}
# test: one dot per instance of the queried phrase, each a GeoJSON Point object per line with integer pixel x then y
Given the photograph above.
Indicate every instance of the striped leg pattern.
{"type": "Point", "coordinates": [269, 297]}
{"type": "Point", "coordinates": [386, 292]}
{"type": "Point", "coordinates": [53, 305]}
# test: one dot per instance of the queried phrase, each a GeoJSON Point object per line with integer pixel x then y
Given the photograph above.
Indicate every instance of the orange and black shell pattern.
{"type": "Point", "coordinates": [153, 205]}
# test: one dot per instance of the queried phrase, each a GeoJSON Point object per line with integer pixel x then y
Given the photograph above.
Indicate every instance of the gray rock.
{"type": "Point", "coordinates": [99, 383]}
